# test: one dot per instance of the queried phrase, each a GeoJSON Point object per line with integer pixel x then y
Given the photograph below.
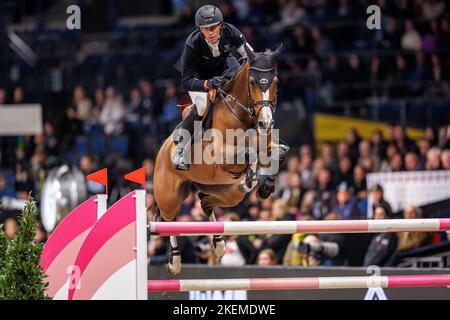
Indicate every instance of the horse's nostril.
{"type": "Point", "coordinates": [261, 124]}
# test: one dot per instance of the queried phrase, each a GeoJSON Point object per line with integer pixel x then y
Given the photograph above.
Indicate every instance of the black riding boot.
{"type": "Point", "coordinates": [267, 183]}
{"type": "Point", "coordinates": [180, 159]}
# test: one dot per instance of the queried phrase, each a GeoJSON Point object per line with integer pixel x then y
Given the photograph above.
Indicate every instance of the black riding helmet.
{"type": "Point", "coordinates": [208, 16]}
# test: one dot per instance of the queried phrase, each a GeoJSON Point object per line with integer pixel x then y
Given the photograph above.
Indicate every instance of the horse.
{"type": "Point", "coordinates": [246, 102]}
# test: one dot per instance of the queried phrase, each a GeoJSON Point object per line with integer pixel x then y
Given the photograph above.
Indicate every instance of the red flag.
{"type": "Point", "coordinates": [137, 176]}
{"type": "Point", "coordinates": [100, 176]}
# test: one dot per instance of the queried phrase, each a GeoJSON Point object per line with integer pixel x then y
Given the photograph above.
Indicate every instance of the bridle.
{"type": "Point", "coordinates": [232, 102]}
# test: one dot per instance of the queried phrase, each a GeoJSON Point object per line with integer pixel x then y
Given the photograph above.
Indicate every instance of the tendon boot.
{"type": "Point", "coordinates": [182, 140]}
{"type": "Point", "coordinates": [267, 183]}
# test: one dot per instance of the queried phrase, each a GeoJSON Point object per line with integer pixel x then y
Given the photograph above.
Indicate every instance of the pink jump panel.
{"type": "Point", "coordinates": [119, 216]}
{"type": "Point", "coordinates": [78, 221]}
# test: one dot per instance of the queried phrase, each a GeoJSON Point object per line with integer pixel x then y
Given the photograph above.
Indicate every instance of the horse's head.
{"type": "Point", "coordinates": [263, 82]}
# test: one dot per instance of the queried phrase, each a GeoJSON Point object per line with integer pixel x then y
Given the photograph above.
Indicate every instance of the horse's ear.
{"type": "Point", "coordinates": [250, 54]}
{"type": "Point", "coordinates": [276, 53]}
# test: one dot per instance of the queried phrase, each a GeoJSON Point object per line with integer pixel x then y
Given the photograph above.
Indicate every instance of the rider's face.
{"type": "Point", "coordinates": [212, 33]}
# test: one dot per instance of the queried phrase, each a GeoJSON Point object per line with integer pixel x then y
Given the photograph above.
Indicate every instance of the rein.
{"type": "Point", "coordinates": [249, 110]}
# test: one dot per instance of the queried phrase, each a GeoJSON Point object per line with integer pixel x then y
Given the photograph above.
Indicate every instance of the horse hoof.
{"type": "Point", "coordinates": [219, 247]}
{"type": "Point", "coordinates": [174, 268]}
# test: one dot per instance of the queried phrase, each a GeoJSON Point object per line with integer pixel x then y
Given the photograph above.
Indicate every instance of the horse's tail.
{"type": "Point", "coordinates": [156, 213]}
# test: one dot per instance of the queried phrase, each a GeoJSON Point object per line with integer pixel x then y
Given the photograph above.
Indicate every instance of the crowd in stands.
{"type": "Point", "coordinates": [105, 126]}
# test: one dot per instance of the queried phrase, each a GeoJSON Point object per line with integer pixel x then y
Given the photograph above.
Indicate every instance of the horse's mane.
{"type": "Point", "coordinates": [230, 82]}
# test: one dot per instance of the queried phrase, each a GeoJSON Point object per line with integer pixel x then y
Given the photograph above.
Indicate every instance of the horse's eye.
{"type": "Point", "coordinates": [252, 81]}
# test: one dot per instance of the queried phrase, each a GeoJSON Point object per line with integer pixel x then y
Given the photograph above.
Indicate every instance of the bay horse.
{"type": "Point", "coordinates": [246, 102]}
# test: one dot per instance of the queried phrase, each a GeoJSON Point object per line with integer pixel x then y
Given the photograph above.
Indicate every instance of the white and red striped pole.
{"type": "Point", "coordinates": [291, 227]}
{"type": "Point", "coordinates": [430, 280]}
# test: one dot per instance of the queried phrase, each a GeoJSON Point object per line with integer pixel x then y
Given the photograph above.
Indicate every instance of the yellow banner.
{"type": "Point", "coordinates": [334, 128]}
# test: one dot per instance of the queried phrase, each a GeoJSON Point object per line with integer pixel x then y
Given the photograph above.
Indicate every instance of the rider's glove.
{"type": "Point", "coordinates": [215, 82]}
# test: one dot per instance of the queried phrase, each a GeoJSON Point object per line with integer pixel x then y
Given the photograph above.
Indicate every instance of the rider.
{"type": "Point", "coordinates": [206, 55]}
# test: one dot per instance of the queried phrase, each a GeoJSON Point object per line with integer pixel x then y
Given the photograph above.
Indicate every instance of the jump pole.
{"type": "Point", "coordinates": [432, 280]}
{"type": "Point", "coordinates": [291, 227]}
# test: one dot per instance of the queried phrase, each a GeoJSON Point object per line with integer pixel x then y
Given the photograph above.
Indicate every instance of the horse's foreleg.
{"type": "Point", "coordinates": [249, 180]}
{"type": "Point", "coordinates": [174, 265]}
{"type": "Point", "coordinates": [218, 242]}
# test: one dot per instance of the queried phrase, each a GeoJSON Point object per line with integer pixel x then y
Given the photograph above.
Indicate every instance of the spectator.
{"type": "Point", "coordinates": [377, 195]}
{"type": "Point", "coordinates": [365, 153]}
{"type": "Point", "coordinates": [445, 159]}
{"type": "Point", "coordinates": [277, 242]}
{"type": "Point", "coordinates": [239, 250]}
{"type": "Point", "coordinates": [359, 184]}
{"type": "Point", "coordinates": [408, 240]}
{"type": "Point", "coordinates": [334, 245]}
{"type": "Point", "coordinates": [431, 136]}
{"type": "Point", "coordinates": [379, 145]}
{"type": "Point", "coordinates": [112, 114]}
{"type": "Point", "coordinates": [291, 13]}
{"type": "Point", "coordinates": [411, 161]}
{"type": "Point", "coordinates": [396, 163]}
{"type": "Point", "coordinates": [353, 139]}
{"type": "Point", "coordinates": [444, 39]}
{"type": "Point", "coordinates": [18, 95]}
{"type": "Point", "coordinates": [403, 143]}
{"type": "Point", "coordinates": [433, 159]}
{"type": "Point", "coordinates": [432, 9]}
{"type": "Point", "coordinates": [82, 104]}
{"type": "Point", "coordinates": [10, 227]}
{"type": "Point", "coordinates": [383, 245]}
{"type": "Point", "coordinates": [292, 167]}
{"type": "Point", "coordinates": [149, 111]}
{"type": "Point", "coordinates": [327, 155]}
{"type": "Point", "coordinates": [267, 257]}
{"type": "Point", "coordinates": [292, 195]}
{"type": "Point", "coordinates": [411, 39]}
{"type": "Point", "coordinates": [99, 101]}
{"type": "Point", "coordinates": [23, 182]}
{"type": "Point", "coordinates": [430, 40]}
{"type": "Point", "coordinates": [424, 147]}
{"type": "Point", "coordinates": [306, 167]}
{"type": "Point", "coordinates": [377, 75]}
{"type": "Point", "coordinates": [324, 194]}
{"type": "Point", "coordinates": [134, 106]}
{"type": "Point", "coordinates": [3, 96]}
{"type": "Point", "coordinates": [391, 37]}
{"type": "Point", "coordinates": [170, 114]}
{"type": "Point", "coordinates": [346, 207]}
{"type": "Point", "coordinates": [41, 234]}
{"type": "Point", "coordinates": [322, 44]}
{"type": "Point", "coordinates": [344, 172]}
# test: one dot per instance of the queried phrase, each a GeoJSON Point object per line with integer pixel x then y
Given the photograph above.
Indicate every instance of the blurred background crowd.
{"type": "Point", "coordinates": [110, 92]}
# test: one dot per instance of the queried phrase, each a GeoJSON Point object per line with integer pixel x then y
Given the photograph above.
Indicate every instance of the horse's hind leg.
{"type": "Point", "coordinates": [174, 264]}
{"type": "Point", "coordinates": [219, 196]}
{"type": "Point", "coordinates": [170, 190]}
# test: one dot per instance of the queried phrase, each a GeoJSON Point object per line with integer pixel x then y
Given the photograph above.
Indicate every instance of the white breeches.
{"type": "Point", "coordinates": [201, 100]}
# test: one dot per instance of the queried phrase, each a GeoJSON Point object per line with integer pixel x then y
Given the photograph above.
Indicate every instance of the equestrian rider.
{"type": "Point", "coordinates": [206, 55]}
